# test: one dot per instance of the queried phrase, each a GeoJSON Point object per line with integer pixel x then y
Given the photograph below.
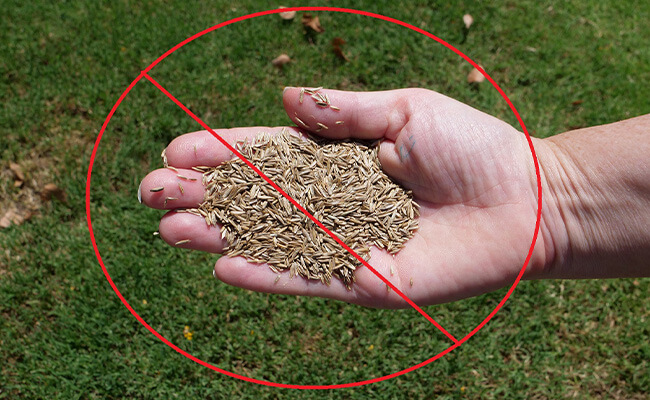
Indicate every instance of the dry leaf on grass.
{"type": "Point", "coordinates": [18, 172]}
{"type": "Point", "coordinates": [337, 42]}
{"type": "Point", "coordinates": [475, 76]}
{"type": "Point", "coordinates": [287, 15]}
{"type": "Point", "coordinates": [468, 20]}
{"type": "Point", "coordinates": [312, 23]}
{"type": "Point", "coordinates": [51, 190]}
{"type": "Point", "coordinates": [15, 217]}
{"type": "Point", "coordinates": [5, 221]}
{"type": "Point", "coordinates": [280, 60]}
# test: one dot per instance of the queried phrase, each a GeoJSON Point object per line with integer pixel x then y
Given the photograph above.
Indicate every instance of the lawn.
{"type": "Point", "coordinates": [65, 334]}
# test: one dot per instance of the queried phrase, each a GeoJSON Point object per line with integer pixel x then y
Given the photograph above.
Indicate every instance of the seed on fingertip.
{"type": "Point", "coordinates": [163, 155]}
{"type": "Point", "coordinates": [300, 121]}
{"type": "Point", "coordinates": [185, 177]}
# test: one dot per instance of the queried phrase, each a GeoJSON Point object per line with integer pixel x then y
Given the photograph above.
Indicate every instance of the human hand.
{"type": "Point", "coordinates": [472, 174]}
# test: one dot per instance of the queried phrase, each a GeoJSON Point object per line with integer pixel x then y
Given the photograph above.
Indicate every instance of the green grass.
{"type": "Point", "coordinates": [65, 334]}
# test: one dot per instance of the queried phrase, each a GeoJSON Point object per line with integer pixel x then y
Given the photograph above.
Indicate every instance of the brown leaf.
{"type": "Point", "coordinates": [468, 20]}
{"type": "Point", "coordinates": [337, 42]}
{"type": "Point", "coordinates": [5, 221]}
{"type": "Point", "coordinates": [312, 22]}
{"type": "Point", "coordinates": [51, 190]}
{"type": "Point", "coordinates": [287, 15]}
{"type": "Point", "coordinates": [18, 172]}
{"type": "Point", "coordinates": [475, 76]}
{"type": "Point", "coordinates": [14, 217]}
{"type": "Point", "coordinates": [280, 60]}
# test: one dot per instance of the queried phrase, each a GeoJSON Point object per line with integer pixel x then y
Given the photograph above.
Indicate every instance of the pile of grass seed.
{"type": "Point", "coordinates": [340, 183]}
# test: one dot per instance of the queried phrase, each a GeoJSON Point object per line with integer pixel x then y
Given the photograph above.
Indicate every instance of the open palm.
{"type": "Point", "coordinates": [471, 173]}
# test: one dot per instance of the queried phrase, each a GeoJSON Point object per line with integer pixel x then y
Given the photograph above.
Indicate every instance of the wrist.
{"type": "Point", "coordinates": [561, 199]}
{"type": "Point", "coordinates": [552, 248]}
{"type": "Point", "coordinates": [596, 193]}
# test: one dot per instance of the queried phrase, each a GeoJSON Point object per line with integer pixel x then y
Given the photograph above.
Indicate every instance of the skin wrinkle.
{"type": "Point", "coordinates": [355, 116]}
{"type": "Point", "coordinates": [510, 186]}
{"type": "Point", "coordinates": [550, 210]}
{"type": "Point", "coordinates": [361, 294]}
{"type": "Point", "coordinates": [458, 181]}
{"type": "Point", "coordinates": [474, 170]}
{"type": "Point", "coordinates": [389, 152]}
{"type": "Point", "coordinates": [397, 119]}
{"type": "Point", "coordinates": [457, 161]}
{"type": "Point", "coordinates": [576, 189]}
{"type": "Point", "coordinates": [558, 188]}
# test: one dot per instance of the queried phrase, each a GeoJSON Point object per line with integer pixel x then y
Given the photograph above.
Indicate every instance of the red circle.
{"type": "Point", "coordinates": [334, 386]}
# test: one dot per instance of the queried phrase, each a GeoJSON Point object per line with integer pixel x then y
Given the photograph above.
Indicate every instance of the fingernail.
{"type": "Point", "coordinates": [140, 193]}
{"type": "Point", "coordinates": [287, 88]}
{"type": "Point", "coordinates": [214, 273]}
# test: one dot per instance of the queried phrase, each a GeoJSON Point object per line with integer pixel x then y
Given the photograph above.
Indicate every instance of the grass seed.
{"type": "Point", "coordinates": [340, 183]}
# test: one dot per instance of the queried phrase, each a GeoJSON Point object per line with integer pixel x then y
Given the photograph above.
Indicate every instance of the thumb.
{"type": "Point", "coordinates": [337, 114]}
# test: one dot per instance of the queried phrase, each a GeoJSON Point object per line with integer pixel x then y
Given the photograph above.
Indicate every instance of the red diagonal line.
{"type": "Point", "coordinates": [295, 203]}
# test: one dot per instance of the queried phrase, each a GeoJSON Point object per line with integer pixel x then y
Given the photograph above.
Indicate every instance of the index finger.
{"type": "Point", "coordinates": [202, 148]}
